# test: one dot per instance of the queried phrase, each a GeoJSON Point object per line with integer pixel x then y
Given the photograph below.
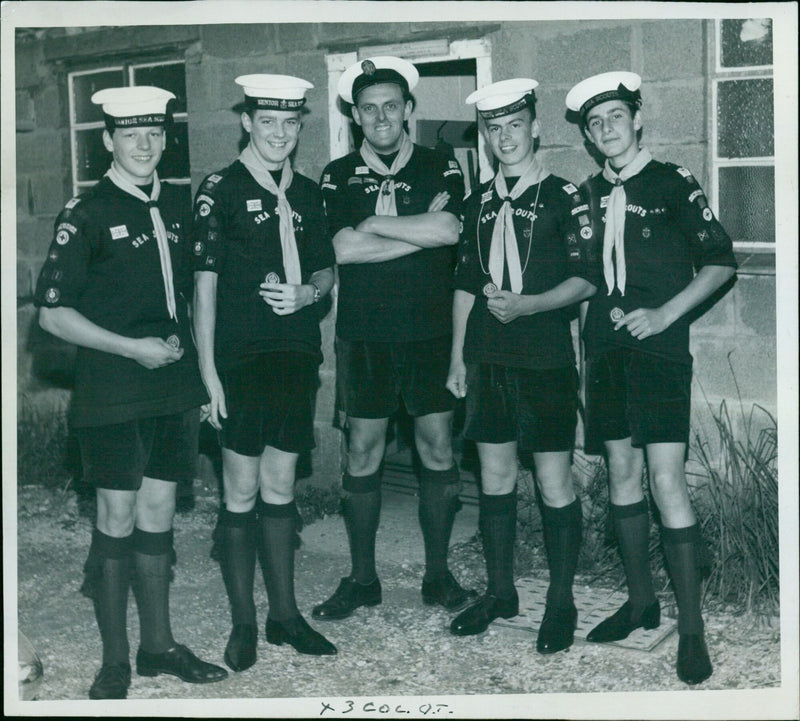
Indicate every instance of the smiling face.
{"type": "Point", "coordinates": [136, 151]}
{"type": "Point", "coordinates": [380, 111]}
{"type": "Point", "coordinates": [273, 134]}
{"type": "Point", "coordinates": [612, 127]}
{"type": "Point", "coordinates": [511, 139]}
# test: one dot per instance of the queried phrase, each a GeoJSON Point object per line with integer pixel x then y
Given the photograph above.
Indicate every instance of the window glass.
{"type": "Point", "coordinates": [170, 77]}
{"type": "Point", "coordinates": [175, 161]}
{"type": "Point", "coordinates": [747, 202]}
{"type": "Point", "coordinates": [746, 43]}
{"type": "Point", "coordinates": [745, 118]}
{"type": "Point", "coordinates": [86, 85]}
{"type": "Point", "coordinates": [91, 157]}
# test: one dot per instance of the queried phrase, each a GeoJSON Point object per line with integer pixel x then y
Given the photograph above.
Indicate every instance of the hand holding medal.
{"type": "Point", "coordinates": [642, 322]}
{"type": "Point", "coordinates": [505, 305]}
{"type": "Point", "coordinates": [285, 298]}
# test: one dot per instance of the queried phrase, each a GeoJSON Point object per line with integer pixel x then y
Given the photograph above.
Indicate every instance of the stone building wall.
{"type": "Point", "coordinates": [739, 331]}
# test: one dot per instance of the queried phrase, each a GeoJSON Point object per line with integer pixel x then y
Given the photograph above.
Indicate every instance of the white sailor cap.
{"type": "Point", "coordinates": [617, 85]}
{"type": "Point", "coordinates": [504, 97]}
{"type": "Point", "coordinates": [274, 92]}
{"type": "Point", "coordinates": [129, 107]}
{"type": "Point", "coordinates": [371, 71]}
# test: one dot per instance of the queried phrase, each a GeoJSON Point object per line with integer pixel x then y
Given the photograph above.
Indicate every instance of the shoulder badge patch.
{"type": "Point", "coordinates": [70, 204]}
{"type": "Point", "coordinates": [570, 188]}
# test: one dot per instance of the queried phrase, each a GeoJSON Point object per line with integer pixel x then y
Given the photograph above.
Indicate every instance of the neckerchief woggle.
{"type": "Point", "coordinates": [386, 203]}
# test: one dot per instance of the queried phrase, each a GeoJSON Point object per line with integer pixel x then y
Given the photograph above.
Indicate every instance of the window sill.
{"type": "Point", "coordinates": [751, 263]}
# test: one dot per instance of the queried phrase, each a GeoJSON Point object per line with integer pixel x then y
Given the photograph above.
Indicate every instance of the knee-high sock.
{"type": "Point", "coordinates": [238, 563]}
{"type": "Point", "coordinates": [680, 550]}
{"type": "Point", "coordinates": [438, 505]}
{"type": "Point", "coordinates": [498, 526]}
{"type": "Point", "coordinates": [111, 560]}
{"type": "Point", "coordinates": [563, 531]}
{"type": "Point", "coordinates": [277, 525]}
{"type": "Point", "coordinates": [153, 553]}
{"type": "Point", "coordinates": [361, 508]}
{"type": "Point", "coordinates": [632, 527]}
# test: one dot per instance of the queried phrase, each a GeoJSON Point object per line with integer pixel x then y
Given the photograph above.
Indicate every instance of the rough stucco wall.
{"type": "Point", "coordinates": [670, 55]}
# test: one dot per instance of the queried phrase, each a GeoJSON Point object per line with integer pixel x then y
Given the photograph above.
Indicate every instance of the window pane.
{"type": "Point", "coordinates": [175, 161]}
{"type": "Point", "coordinates": [746, 43]}
{"type": "Point", "coordinates": [747, 203]}
{"type": "Point", "coordinates": [86, 85]}
{"type": "Point", "coordinates": [92, 159]}
{"type": "Point", "coordinates": [745, 118]}
{"type": "Point", "coordinates": [168, 77]}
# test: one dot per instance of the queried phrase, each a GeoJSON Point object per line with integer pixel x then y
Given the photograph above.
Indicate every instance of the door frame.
{"type": "Point", "coordinates": [479, 50]}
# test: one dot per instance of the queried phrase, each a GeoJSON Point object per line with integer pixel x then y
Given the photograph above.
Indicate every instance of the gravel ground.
{"type": "Point", "coordinates": [400, 648]}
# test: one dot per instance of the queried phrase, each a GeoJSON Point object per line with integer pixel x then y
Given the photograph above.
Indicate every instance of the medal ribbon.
{"type": "Point", "coordinates": [614, 237]}
{"type": "Point", "coordinates": [291, 258]}
{"type": "Point", "coordinates": [386, 204]}
{"type": "Point", "coordinates": [162, 241]}
{"type": "Point", "coordinates": [504, 249]}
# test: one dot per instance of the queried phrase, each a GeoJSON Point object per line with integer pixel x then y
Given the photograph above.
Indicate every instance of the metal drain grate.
{"type": "Point", "coordinates": [593, 606]}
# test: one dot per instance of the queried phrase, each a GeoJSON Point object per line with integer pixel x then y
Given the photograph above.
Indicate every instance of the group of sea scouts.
{"type": "Point", "coordinates": [637, 245]}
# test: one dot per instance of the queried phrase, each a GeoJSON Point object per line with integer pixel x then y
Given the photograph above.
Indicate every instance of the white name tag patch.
{"type": "Point", "coordinates": [362, 170]}
{"type": "Point", "coordinates": [119, 231]}
{"type": "Point", "coordinates": [254, 205]}
{"type": "Point", "coordinates": [214, 178]}
{"type": "Point", "coordinates": [570, 188]}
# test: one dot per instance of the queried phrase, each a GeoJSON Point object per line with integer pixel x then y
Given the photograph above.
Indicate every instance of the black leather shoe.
{"type": "Point", "coordinates": [296, 632]}
{"type": "Point", "coordinates": [240, 653]}
{"type": "Point", "coordinates": [347, 598]}
{"type": "Point", "coordinates": [447, 592]}
{"type": "Point", "coordinates": [557, 631]}
{"type": "Point", "coordinates": [477, 617]}
{"type": "Point", "coordinates": [694, 665]}
{"type": "Point", "coordinates": [620, 625]}
{"type": "Point", "coordinates": [181, 662]}
{"type": "Point", "coordinates": [112, 681]}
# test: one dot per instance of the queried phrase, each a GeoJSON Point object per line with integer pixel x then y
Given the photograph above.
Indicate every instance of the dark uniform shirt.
{"type": "Point", "coordinates": [409, 298]}
{"type": "Point", "coordinates": [236, 235]}
{"type": "Point", "coordinates": [669, 233]}
{"type": "Point", "coordinates": [104, 262]}
{"type": "Point", "coordinates": [552, 248]}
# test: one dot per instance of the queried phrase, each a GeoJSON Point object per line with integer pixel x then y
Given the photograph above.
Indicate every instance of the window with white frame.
{"type": "Point", "coordinates": [89, 158]}
{"type": "Point", "coordinates": [742, 137]}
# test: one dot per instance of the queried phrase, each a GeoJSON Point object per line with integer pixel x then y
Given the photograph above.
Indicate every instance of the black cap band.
{"type": "Point", "coordinates": [377, 76]}
{"type": "Point", "coordinates": [135, 121]}
{"type": "Point", "coordinates": [273, 103]}
{"type": "Point", "coordinates": [526, 101]}
{"type": "Point", "coordinates": [632, 97]}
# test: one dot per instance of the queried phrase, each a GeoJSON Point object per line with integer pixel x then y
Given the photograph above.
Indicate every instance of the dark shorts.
{"type": "Point", "coordinates": [371, 377]}
{"type": "Point", "coordinates": [636, 395]}
{"type": "Point", "coordinates": [536, 408]}
{"type": "Point", "coordinates": [163, 447]}
{"type": "Point", "coordinates": [270, 401]}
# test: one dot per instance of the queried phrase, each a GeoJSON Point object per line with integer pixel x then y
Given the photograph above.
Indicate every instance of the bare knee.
{"type": "Point", "coordinates": [155, 505]}
{"type": "Point", "coordinates": [365, 453]}
{"type": "Point", "coordinates": [433, 438]}
{"type": "Point", "coordinates": [116, 512]}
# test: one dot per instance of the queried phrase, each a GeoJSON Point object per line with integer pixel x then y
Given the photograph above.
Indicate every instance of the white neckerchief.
{"type": "Point", "coordinates": [291, 258]}
{"type": "Point", "coordinates": [386, 204]}
{"type": "Point", "coordinates": [162, 241]}
{"type": "Point", "coordinates": [504, 249]}
{"type": "Point", "coordinates": [614, 236]}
